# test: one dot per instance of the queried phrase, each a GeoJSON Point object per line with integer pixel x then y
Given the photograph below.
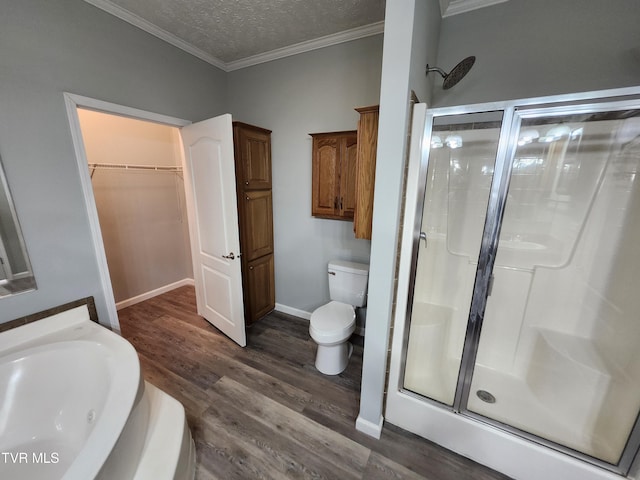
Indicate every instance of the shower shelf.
{"type": "Point", "coordinates": [585, 388]}
{"type": "Point", "coordinates": [579, 350]}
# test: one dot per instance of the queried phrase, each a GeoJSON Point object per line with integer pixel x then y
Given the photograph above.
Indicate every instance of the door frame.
{"type": "Point", "coordinates": [470, 436]}
{"type": "Point", "coordinates": [72, 103]}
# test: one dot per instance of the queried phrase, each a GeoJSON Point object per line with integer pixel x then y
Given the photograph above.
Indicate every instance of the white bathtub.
{"type": "Point", "coordinates": [73, 405]}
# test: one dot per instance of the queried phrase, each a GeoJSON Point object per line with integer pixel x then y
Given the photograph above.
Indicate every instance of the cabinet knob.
{"type": "Point", "coordinates": [247, 198]}
{"type": "Point", "coordinates": [251, 267]}
{"type": "Point", "coordinates": [247, 182]}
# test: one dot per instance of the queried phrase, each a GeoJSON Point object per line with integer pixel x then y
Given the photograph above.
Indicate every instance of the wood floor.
{"type": "Point", "coordinates": [264, 411]}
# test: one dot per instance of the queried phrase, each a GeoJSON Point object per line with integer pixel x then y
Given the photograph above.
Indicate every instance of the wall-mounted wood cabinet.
{"type": "Point", "coordinates": [334, 157]}
{"type": "Point", "coordinates": [366, 170]}
{"type": "Point", "coordinates": [252, 151]}
{"type": "Point", "coordinates": [344, 173]}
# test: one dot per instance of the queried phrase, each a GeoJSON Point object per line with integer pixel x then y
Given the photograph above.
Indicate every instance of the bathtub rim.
{"type": "Point", "coordinates": [122, 363]}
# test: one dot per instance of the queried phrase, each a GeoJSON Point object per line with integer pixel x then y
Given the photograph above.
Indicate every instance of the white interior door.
{"type": "Point", "coordinates": [210, 186]}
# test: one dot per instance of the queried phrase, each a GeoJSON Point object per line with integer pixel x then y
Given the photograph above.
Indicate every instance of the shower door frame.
{"type": "Point", "coordinates": [514, 112]}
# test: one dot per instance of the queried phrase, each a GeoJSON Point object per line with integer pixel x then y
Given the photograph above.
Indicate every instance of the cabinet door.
{"type": "Point", "coordinates": [261, 291]}
{"type": "Point", "coordinates": [254, 152]}
{"type": "Point", "coordinates": [366, 171]}
{"type": "Point", "coordinates": [257, 224]}
{"type": "Point", "coordinates": [325, 169]}
{"type": "Point", "coordinates": [348, 162]}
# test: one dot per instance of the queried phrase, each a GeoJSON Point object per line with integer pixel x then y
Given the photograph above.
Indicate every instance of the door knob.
{"type": "Point", "coordinates": [231, 256]}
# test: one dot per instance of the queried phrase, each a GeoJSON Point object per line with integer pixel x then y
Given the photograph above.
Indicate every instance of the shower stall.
{"type": "Point", "coordinates": [517, 329]}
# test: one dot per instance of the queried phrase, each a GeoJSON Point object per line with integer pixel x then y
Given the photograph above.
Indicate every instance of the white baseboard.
{"type": "Point", "coordinates": [293, 311]}
{"type": "Point", "coordinates": [369, 428]}
{"type": "Point", "coordinates": [153, 293]}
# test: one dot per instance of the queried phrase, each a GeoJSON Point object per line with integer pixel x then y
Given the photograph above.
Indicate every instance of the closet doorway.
{"type": "Point", "coordinates": [207, 155]}
{"type": "Point", "coordinates": [136, 175]}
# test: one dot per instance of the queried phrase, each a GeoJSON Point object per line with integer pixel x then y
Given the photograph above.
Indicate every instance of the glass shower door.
{"type": "Point", "coordinates": [558, 351]}
{"type": "Point", "coordinates": [455, 196]}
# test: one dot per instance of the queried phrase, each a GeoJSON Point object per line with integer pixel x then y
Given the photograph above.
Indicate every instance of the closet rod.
{"type": "Point", "coordinates": [121, 166]}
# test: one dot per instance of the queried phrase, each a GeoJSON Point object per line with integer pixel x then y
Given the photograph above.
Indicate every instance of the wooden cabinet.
{"type": "Point", "coordinates": [252, 151]}
{"type": "Point", "coordinates": [365, 170]}
{"type": "Point", "coordinates": [344, 173]}
{"type": "Point", "coordinates": [334, 158]}
{"type": "Point", "coordinates": [260, 291]}
{"type": "Point", "coordinates": [253, 156]}
{"type": "Point", "coordinates": [258, 218]}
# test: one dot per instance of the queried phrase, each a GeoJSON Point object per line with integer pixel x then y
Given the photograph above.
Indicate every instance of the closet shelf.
{"type": "Point", "coordinates": [121, 166]}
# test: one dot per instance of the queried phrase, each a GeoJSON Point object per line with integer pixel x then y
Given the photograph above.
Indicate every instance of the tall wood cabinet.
{"type": "Point", "coordinates": [334, 157]}
{"type": "Point", "coordinates": [365, 170]}
{"type": "Point", "coordinates": [252, 151]}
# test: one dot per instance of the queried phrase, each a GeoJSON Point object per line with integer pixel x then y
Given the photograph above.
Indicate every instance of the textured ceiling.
{"type": "Point", "coordinates": [230, 30]}
{"type": "Point", "coordinates": [232, 34]}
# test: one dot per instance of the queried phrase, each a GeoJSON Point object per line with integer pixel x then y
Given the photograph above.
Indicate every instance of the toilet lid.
{"type": "Point", "coordinates": [335, 319]}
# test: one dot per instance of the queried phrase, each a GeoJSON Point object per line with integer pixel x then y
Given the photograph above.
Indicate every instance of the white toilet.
{"type": "Point", "coordinates": [332, 324]}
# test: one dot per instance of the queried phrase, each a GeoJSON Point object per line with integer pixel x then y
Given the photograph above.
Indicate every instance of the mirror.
{"type": "Point", "coordinates": [16, 275]}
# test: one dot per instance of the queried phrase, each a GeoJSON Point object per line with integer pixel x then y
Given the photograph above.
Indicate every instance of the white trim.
{"type": "Point", "coordinates": [309, 45]}
{"type": "Point", "coordinates": [449, 8]}
{"type": "Point", "coordinates": [156, 31]}
{"type": "Point", "coordinates": [293, 311]}
{"type": "Point", "coordinates": [369, 428]}
{"type": "Point", "coordinates": [302, 47]}
{"type": "Point", "coordinates": [154, 293]}
{"type": "Point", "coordinates": [123, 111]}
{"type": "Point", "coordinates": [72, 103]}
{"type": "Point", "coordinates": [490, 446]}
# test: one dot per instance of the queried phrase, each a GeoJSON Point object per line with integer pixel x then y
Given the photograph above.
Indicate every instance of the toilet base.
{"type": "Point", "coordinates": [333, 359]}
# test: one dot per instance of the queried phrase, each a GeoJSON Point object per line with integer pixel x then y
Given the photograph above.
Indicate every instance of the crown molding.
{"type": "Point", "coordinates": [326, 41]}
{"type": "Point", "coordinates": [309, 45]}
{"type": "Point", "coordinates": [156, 31]}
{"type": "Point", "coordinates": [449, 8]}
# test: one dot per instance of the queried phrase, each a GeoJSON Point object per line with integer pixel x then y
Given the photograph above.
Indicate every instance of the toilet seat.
{"type": "Point", "coordinates": [332, 323]}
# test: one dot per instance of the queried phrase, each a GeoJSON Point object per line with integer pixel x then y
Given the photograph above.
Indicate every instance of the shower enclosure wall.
{"type": "Point", "coordinates": [517, 326]}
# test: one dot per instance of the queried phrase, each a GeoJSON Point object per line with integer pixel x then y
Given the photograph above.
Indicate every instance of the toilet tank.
{"type": "Point", "coordinates": [348, 282]}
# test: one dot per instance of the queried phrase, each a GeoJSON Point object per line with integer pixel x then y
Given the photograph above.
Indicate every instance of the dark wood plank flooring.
{"type": "Point", "coordinates": [264, 411]}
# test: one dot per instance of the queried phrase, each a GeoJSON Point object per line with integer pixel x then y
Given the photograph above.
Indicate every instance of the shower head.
{"type": "Point", "coordinates": [456, 74]}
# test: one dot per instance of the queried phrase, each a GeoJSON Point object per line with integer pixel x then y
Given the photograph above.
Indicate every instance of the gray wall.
{"type": "Point", "coordinates": [530, 48]}
{"type": "Point", "coordinates": [295, 96]}
{"type": "Point", "coordinates": [47, 48]}
{"type": "Point", "coordinates": [411, 39]}
{"type": "Point", "coordinates": [425, 40]}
